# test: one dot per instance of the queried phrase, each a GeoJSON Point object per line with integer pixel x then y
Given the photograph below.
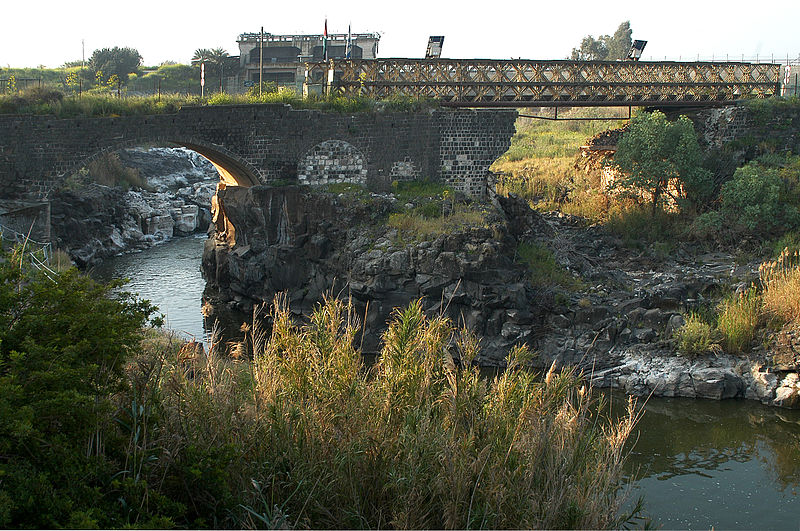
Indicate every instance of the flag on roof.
{"type": "Point", "coordinates": [348, 51]}
{"type": "Point", "coordinates": [325, 41]}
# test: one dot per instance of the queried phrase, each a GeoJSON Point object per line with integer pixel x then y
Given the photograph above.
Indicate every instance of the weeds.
{"type": "Point", "coordinates": [423, 222]}
{"type": "Point", "coordinates": [418, 441]}
{"type": "Point", "coordinates": [544, 270]}
{"type": "Point", "coordinates": [697, 337]}
{"type": "Point", "coordinates": [739, 319]}
{"type": "Point", "coordinates": [47, 101]}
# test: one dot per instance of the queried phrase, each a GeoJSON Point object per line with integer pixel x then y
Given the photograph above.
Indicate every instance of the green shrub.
{"type": "Point", "coordinates": [658, 159]}
{"type": "Point", "coordinates": [419, 189]}
{"type": "Point", "coordinates": [697, 337]}
{"type": "Point", "coordinates": [755, 200]}
{"type": "Point", "coordinates": [63, 347]}
{"type": "Point", "coordinates": [544, 270]}
{"type": "Point", "coordinates": [708, 225]}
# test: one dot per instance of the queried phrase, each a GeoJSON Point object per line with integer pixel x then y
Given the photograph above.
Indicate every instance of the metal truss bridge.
{"type": "Point", "coordinates": [562, 83]}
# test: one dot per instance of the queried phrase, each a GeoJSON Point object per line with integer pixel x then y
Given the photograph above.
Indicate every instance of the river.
{"type": "Point", "coordinates": [699, 464]}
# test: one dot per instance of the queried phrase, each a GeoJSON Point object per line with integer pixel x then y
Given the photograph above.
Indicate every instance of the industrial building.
{"type": "Point", "coordinates": [282, 56]}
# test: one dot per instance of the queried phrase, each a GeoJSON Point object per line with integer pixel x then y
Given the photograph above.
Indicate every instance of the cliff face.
{"type": "Point", "coordinates": [617, 328]}
{"type": "Point", "coordinates": [309, 244]}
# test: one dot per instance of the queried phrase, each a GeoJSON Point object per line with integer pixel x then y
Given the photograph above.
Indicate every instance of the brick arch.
{"type": "Point", "coordinates": [233, 169]}
{"type": "Point", "coordinates": [332, 161]}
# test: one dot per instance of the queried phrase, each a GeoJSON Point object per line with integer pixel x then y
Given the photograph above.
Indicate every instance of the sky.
{"type": "Point", "coordinates": [50, 33]}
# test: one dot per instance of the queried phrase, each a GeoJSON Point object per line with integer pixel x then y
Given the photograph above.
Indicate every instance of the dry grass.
{"type": "Point", "coordinates": [311, 438]}
{"type": "Point", "coordinates": [697, 337]}
{"type": "Point", "coordinates": [780, 280]}
{"type": "Point", "coordinates": [417, 226]}
{"type": "Point", "coordinates": [739, 319]}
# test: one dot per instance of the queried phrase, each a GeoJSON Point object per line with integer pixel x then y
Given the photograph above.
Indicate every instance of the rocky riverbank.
{"type": "Point", "coordinates": [309, 244]}
{"type": "Point", "coordinates": [620, 329]}
{"type": "Point", "coordinates": [617, 328]}
{"type": "Point", "coordinates": [93, 222]}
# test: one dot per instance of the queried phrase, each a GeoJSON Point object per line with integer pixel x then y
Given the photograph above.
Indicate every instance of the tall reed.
{"type": "Point", "coordinates": [780, 280]}
{"type": "Point", "coordinates": [313, 438]}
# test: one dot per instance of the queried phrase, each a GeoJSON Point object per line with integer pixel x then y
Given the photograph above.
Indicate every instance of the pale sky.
{"type": "Point", "coordinates": [49, 32]}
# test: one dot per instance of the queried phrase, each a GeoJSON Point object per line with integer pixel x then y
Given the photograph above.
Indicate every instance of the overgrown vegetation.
{"type": "Point", "coordinates": [540, 165]}
{"type": "Point", "coordinates": [740, 319]}
{"type": "Point", "coordinates": [426, 209]}
{"type": "Point", "coordinates": [544, 270]}
{"type": "Point", "coordinates": [47, 100]}
{"type": "Point", "coordinates": [660, 169]}
{"type": "Point", "coordinates": [106, 426]}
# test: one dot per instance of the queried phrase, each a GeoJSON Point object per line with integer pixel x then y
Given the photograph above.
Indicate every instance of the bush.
{"type": "Point", "coordinates": [544, 270]}
{"type": "Point", "coordinates": [103, 426]}
{"type": "Point", "coordinates": [63, 347]}
{"type": "Point", "coordinates": [755, 200]}
{"type": "Point", "coordinates": [697, 337]}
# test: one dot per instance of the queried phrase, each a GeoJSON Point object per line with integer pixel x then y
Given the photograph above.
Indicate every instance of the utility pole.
{"type": "Point", "coordinates": [260, 60]}
{"type": "Point", "coordinates": [83, 60]}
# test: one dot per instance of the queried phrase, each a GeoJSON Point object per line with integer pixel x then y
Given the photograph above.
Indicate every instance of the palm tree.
{"type": "Point", "coordinates": [214, 60]}
{"type": "Point", "coordinates": [201, 55]}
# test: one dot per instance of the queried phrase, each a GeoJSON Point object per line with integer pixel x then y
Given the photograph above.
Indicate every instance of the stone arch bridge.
{"type": "Point", "coordinates": [259, 144]}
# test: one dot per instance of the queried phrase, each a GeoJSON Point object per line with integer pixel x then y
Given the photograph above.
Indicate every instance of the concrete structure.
{"type": "Point", "coordinates": [257, 144]}
{"type": "Point", "coordinates": [284, 55]}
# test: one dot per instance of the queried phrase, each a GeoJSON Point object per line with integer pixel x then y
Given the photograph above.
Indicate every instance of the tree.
{"type": "Point", "coordinates": [214, 59]}
{"type": "Point", "coordinates": [114, 61]}
{"type": "Point", "coordinates": [620, 43]}
{"type": "Point", "coordinates": [660, 158]}
{"type": "Point", "coordinates": [605, 48]}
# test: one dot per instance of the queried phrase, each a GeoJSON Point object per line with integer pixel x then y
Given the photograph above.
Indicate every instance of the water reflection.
{"type": "Point", "coordinates": [698, 463]}
{"type": "Point", "coordinates": [728, 464]}
{"type": "Point", "coordinates": [169, 276]}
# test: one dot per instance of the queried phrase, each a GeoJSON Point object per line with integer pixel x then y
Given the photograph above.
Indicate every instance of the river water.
{"type": "Point", "coordinates": [698, 464]}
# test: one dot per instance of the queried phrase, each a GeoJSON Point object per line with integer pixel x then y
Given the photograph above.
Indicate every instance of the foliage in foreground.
{"type": "Point", "coordinates": [416, 442]}
{"type": "Point", "coordinates": [63, 347]}
{"type": "Point", "coordinates": [302, 436]}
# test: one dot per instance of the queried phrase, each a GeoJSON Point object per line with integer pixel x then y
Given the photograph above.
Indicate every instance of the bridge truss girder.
{"type": "Point", "coordinates": [520, 83]}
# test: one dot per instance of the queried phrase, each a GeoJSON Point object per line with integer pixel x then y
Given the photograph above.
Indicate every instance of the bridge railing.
{"type": "Point", "coordinates": [548, 83]}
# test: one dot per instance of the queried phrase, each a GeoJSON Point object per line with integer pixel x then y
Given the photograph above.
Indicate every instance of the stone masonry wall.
{"type": "Point", "coordinates": [470, 143]}
{"type": "Point", "coordinates": [255, 144]}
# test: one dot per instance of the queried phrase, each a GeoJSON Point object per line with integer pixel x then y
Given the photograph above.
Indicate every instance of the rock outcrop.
{"type": "Point", "coordinates": [94, 222]}
{"type": "Point", "coordinates": [618, 329]}
{"type": "Point", "coordinates": [309, 243]}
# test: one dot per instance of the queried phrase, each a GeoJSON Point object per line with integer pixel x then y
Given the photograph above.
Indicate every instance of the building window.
{"type": "Point", "coordinates": [276, 54]}
{"type": "Point", "coordinates": [337, 52]}
{"type": "Point", "coordinates": [277, 77]}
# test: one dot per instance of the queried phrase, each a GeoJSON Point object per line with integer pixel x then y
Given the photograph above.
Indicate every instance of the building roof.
{"type": "Point", "coordinates": [269, 37]}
